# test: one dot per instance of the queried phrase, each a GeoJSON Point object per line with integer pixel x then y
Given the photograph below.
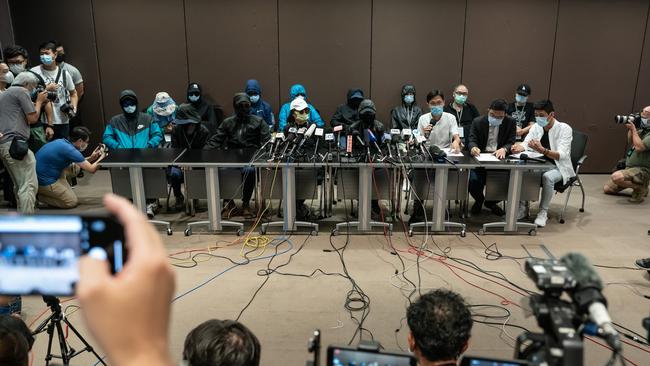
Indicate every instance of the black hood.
{"type": "Point", "coordinates": [128, 94]}
{"type": "Point", "coordinates": [408, 89]}
{"type": "Point", "coordinates": [352, 92]}
{"type": "Point", "coordinates": [239, 98]}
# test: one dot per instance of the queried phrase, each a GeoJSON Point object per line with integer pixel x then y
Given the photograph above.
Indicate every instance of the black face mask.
{"type": "Point", "coordinates": [367, 119]}
{"type": "Point", "coordinates": [60, 58]}
{"type": "Point", "coordinates": [242, 111]}
{"type": "Point", "coordinates": [354, 103]}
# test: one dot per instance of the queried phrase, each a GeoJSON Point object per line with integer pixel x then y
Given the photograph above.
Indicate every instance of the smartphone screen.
{"type": "Point", "coordinates": [481, 361]}
{"type": "Point", "coordinates": [344, 356]}
{"type": "Point", "coordinates": [40, 254]}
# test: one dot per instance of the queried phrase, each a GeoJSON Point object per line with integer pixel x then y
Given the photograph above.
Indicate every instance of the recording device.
{"type": "Point", "coordinates": [439, 156]}
{"type": "Point", "coordinates": [329, 138]}
{"type": "Point", "coordinates": [51, 95]}
{"type": "Point", "coordinates": [367, 353]}
{"type": "Point", "coordinates": [348, 146]}
{"type": "Point", "coordinates": [298, 141]}
{"type": "Point", "coordinates": [39, 254]}
{"type": "Point", "coordinates": [387, 140]}
{"type": "Point", "coordinates": [623, 119]}
{"type": "Point", "coordinates": [482, 361]}
{"type": "Point", "coordinates": [279, 139]}
{"type": "Point", "coordinates": [291, 136]}
{"type": "Point", "coordinates": [406, 135]}
{"type": "Point", "coordinates": [68, 109]}
{"type": "Point", "coordinates": [306, 136]}
{"type": "Point", "coordinates": [340, 141]}
{"type": "Point", "coordinates": [373, 140]}
{"type": "Point", "coordinates": [525, 157]}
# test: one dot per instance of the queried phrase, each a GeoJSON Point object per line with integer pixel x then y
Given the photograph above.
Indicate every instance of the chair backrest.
{"type": "Point", "coordinates": [578, 147]}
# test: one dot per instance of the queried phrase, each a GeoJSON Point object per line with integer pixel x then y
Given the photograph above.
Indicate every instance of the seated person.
{"type": "Point", "coordinates": [347, 114]}
{"type": "Point", "coordinates": [133, 130]}
{"type": "Point", "coordinates": [298, 90]}
{"type": "Point", "coordinates": [464, 111]}
{"type": "Point", "coordinates": [552, 139]}
{"type": "Point", "coordinates": [242, 130]}
{"type": "Point", "coordinates": [637, 163]}
{"type": "Point", "coordinates": [440, 326]}
{"type": "Point", "coordinates": [188, 133]}
{"type": "Point", "coordinates": [211, 115]}
{"type": "Point", "coordinates": [522, 111]}
{"type": "Point", "coordinates": [221, 342]}
{"type": "Point", "coordinates": [408, 113]}
{"type": "Point", "coordinates": [163, 111]}
{"type": "Point", "coordinates": [260, 107]}
{"type": "Point", "coordinates": [493, 133]}
{"type": "Point", "coordinates": [61, 159]}
{"type": "Point", "coordinates": [16, 341]}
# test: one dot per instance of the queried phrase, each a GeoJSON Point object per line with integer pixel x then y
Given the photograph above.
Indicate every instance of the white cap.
{"type": "Point", "coordinates": [298, 104]}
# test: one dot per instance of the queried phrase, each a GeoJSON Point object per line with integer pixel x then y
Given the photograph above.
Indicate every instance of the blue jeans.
{"type": "Point", "coordinates": [176, 178]}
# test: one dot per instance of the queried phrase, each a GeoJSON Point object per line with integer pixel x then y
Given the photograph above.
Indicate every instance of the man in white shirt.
{"type": "Point", "coordinates": [552, 139]}
{"type": "Point", "coordinates": [60, 81]}
{"type": "Point", "coordinates": [440, 128]}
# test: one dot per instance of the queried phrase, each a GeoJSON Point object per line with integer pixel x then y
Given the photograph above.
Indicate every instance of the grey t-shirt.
{"type": "Point", "coordinates": [15, 105]}
{"type": "Point", "coordinates": [74, 72]}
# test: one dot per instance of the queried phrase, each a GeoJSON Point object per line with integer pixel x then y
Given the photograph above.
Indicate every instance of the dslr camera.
{"type": "Point", "coordinates": [622, 119]}
{"type": "Point", "coordinates": [51, 95]}
{"type": "Point", "coordinates": [68, 110]}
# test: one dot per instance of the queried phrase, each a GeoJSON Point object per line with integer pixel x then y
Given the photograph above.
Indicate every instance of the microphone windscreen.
{"type": "Point", "coordinates": [582, 270]}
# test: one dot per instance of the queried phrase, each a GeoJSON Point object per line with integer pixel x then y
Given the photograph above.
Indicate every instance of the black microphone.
{"type": "Point", "coordinates": [438, 153]}
{"type": "Point", "coordinates": [279, 139]}
{"type": "Point", "coordinates": [300, 138]}
{"type": "Point", "coordinates": [307, 135]}
{"type": "Point", "coordinates": [355, 134]}
{"type": "Point", "coordinates": [291, 136]}
{"type": "Point", "coordinates": [525, 157]}
{"type": "Point", "coordinates": [588, 296]}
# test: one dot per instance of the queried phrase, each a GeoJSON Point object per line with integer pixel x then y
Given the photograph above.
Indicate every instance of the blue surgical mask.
{"type": "Point", "coordinates": [436, 110]}
{"type": "Point", "coordinates": [541, 121]}
{"type": "Point", "coordinates": [47, 59]}
{"type": "Point", "coordinates": [521, 99]}
{"type": "Point", "coordinates": [129, 109]}
{"type": "Point", "coordinates": [644, 122]}
{"type": "Point", "coordinates": [460, 99]}
{"type": "Point", "coordinates": [254, 98]}
{"type": "Point", "coordinates": [494, 121]}
{"type": "Point", "coordinates": [193, 98]}
{"type": "Point", "coordinates": [409, 99]}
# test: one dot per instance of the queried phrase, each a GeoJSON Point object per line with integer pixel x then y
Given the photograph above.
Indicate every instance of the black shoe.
{"type": "Point", "coordinates": [643, 263]}
{"type": "Point", "coordinates": [476, 208]}
{"type": "Point", "coordinates": [496, 210]}
{"type": "Point", "coordinates": [414, 219]}
{"type": "Point", "coordinates": [180, 203]}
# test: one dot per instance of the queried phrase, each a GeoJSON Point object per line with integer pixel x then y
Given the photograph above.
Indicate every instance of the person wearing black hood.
{"type": "Point", "coordinates": [347, 114]}
{"type": "Point", "coordinates": [242, 130]}
{"type": "Point", "coordinates": [211, 115]}
{"type": "Point", "coordinates": [408, 113]}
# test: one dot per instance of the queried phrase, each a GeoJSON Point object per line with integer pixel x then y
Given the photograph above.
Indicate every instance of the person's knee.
{"type": "Point", "coordinates": [618, 177]}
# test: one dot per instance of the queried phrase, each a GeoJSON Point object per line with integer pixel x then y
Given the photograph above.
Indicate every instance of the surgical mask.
{"type": "Point", "coordinates": [644, 122]}
{"type": "Point", "coordinates": [494, 121]}
{"type": "Point", "coordinates": [46, 59]}
{"type": "Point", "coordinates": [16, 68]}
{"type": "Point", "coordinates": [129, 109]}
{"type": "Point", "coordinates": [541, 121]}
{"type": "Point", "coordinates": [193, 98]}
{"type": "Point", "coordinates": [436, 110]}
{"type": "Point", "coordinates": [60, 58]}
{"type": "Point", "coordinates": [460, 99]}
{"type": "Point", "coordinates": [408, 99]}
{"type": "Point", "coordinates": [254, 98]}
{"type": "Point", "coordinates": [9, 78]}
{"type": "Point", "coordinates": [520, 98]}
{"type": "Point", "coordinates": [301, 118]}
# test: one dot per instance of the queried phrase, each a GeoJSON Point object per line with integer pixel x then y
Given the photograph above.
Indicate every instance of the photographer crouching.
{"type": "Point", "coordinates": [636, 173]}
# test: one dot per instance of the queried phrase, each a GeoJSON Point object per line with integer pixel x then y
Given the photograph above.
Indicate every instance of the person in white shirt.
{"type": "Point", "coordinates": [552, 139]}
{"type": "Point", "coordinates": [440, 128]}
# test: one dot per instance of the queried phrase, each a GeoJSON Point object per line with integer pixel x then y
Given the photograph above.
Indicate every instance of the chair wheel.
{"type": "Point", "coordinates": [561, 221]}
{"type": "Point", "coordinates": [188, 231]}
{"type": "Point", "coordinates": [463, 234]}
{"type": "Point", "coordinates": [262, 231]}
{"type": "Point", "coordinates": [532, 232]}
{"type": "Point", "coordinates": [582, 210]}
{"type": "Point", "coordinates": [240, 232]}
{"type": "Point", "coordinates": [335, 232]}
{"type": "Point", "coordinates": [169, 231]}
{"type": "Point", "coordinates": [314, 233]}
{"type": "Point", "coordinates": [481, 232]}
{"type": "Point", "coordinates": [410, 232]}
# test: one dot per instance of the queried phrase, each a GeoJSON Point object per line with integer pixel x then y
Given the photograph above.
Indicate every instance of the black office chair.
{"type": "Point", "coordinates": [578, 157]}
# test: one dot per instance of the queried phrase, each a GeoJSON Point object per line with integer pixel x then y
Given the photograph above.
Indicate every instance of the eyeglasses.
{"type": "Point", "coordinates": [196, 94]}
{"type": "Point", "coordinates": [461, 93]}
{"type": "Point", "coordinates": [304, 111]}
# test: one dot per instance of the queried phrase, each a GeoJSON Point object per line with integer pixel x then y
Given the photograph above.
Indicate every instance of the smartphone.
{"type": "Point", "coordinates": [483, 361]}
{"type": "Point", "coordinates": [39, 254]}
{"type": "Point", "coordinates": [344, 356]}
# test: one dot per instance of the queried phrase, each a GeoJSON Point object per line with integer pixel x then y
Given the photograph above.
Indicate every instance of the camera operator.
{"type": "Point", "coordinates": [637, 163]}
{"type": "Point", "coordinates": [16, 341]}
{"type": "Point", "coordinates": [220, 343]}
{"type": "Point", "coordinates": [440, 326]}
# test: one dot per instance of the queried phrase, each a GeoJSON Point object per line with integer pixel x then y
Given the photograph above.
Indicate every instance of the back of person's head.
{"type": "Point", "coordinates": [15, 341]}
{"type": "Point", "coordinates": [80, 133]}
{"type": "Point", "coordinates": [221, 343]}
{"type": "Point", "coordinates": [440, 324]}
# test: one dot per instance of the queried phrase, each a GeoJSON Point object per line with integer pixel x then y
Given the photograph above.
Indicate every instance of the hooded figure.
{"type": "Point", "coordinates": [163, 110]}
{"type": "Point", "coordinates": [131, 129]}
{"type": "Point", "coordinates": [298, 90]}
{"type": "Point", "coordinates": [211, 115]}
{"type": "Point", "coordinates": [407, 114]}
{"type": "Point", "coordinates": [346, 114]}
{"type": "Point", "coordinates": [367, 113]}
{"type": "Point", "coordinates": [259, 107]}
{"type": "Point", "coordinates": [240, 130]}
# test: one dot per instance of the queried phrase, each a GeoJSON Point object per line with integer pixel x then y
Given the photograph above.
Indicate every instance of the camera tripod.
{"type": "Point", "coordinates": [54, 321]}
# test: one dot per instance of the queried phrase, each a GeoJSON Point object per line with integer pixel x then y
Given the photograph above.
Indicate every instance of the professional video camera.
{"type": "Point", "coordinates": [622, 119]}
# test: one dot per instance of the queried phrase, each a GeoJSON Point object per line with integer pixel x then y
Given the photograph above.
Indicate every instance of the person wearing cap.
{"type": "Point", "coordinates": [242, 130]}
{"type": "Point", "coordinates": [188, 133]}
{"type": "Point", "coordinates": [407, 114]}
{"type": "Point", "coordinates": [211, 115]}
{"type": "Point", "coordinates": [259, 107]}
{"type": "Point", "coordinates": [464, 111]}
{"type": "Point", "coordinates": [298, 90]}
{"type": "Point", "coordinates": [347, 114]}
{"type": "Point", "coordinates": [163, 111]}
{"type": "Point", "coordinates": [522, 111]}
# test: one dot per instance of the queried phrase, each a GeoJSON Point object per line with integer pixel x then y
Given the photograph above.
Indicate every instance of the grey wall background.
{"type": "Point", "coordinates": [591, 57]}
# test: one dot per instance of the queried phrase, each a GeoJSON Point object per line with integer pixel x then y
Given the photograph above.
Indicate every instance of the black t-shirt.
{"type": "Point", "coordinates": [522, 115]}
{"type": "Point", "coordinates": [544, 141]}
{"type": "Point", "coordinates": [464, 118]}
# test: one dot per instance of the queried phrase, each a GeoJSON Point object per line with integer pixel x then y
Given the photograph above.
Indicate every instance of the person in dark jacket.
{"type": "Point", "coordinates": [259, 107]}
{"type": "Point", "coordinates": [188, 133]}
{"type": "Point", "coordinates": [494, 133]}
{"type": "Point", "coordinates": [211, 114]}
{"type": "Point", "coordinates": [464, 111]}
{"type": "Point", "coordinates": [407, 114]}
{"type": "Point", "coordinates": [242, 130]}
{"type": "Point", "coordinates": [347, 114]}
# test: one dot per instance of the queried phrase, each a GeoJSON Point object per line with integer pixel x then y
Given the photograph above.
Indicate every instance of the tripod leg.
{"type": "Point", "coordinates": [50, 335]}
{"type": "Point", "coordinates": [88, 347]}
{"type": "Point", "coordinates": [65, 353]}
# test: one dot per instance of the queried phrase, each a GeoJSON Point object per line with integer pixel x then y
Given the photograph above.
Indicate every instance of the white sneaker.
{"type": "Point", "coordinates": [150, 210]}
{"type": "Point", "coordinates": [521, 213]}
{"type": "Point", "coordinates": [542, 216]}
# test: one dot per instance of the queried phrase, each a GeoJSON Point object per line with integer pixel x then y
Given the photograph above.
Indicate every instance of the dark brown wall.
{"type": "Point", "coordinates": [590, 57]}
{"type": "Point", "coordinates": [6, 30]}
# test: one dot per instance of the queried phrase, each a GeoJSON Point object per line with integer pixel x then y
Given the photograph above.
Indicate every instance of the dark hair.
{"type": "Point", "coordinates": [221, 343]}
{"type": "Point", "coordinates": [49, 45]}
{"type": "Point", "coordinates": [15, 50]}
{"type": "Point", "coordinates": [79, 133]}
{"type": "Point", "coordinates": [545, 105]}
{"type": "Point", "coordinates": [15, 341]}
{"type": "Point", "coordinates": [498, 105]}
{"type": "Point", "coordinates": [434, 93]}
{"type": "Point", "coordinates": [441, 324]}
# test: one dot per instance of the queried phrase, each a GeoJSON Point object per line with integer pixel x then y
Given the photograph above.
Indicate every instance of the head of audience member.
{"type": "Point", "coordinates": [60, 52]}
{"type": "Point", "coordinates": [242, 105]}
{"type": "Point", "coordinates": [299, 112]}
{"type": "Point", "coordinates": [497, 112]}
{"type": "Point", "coordinates": [522, 93]}
{"type": "Point", "coordinates": [28, 81]}
{"type": "Point", "coordinates": [187, 118]}
{"type": "Point", "coordinates": [163, 108]}
{"type": "Point", "coordinates": [297, 90]}
{"type": "Point", "coordinates": [16, 341]}
{"type": "Point", "coordinates": [645, 116]}
{"type": "Point", "coordinates": [47, 51]}
{"type": "Point", "coordinates": [194, 93]}
{"type": "Point", "coordinates": [129, 103]}
{"type": "Point", "coordinates": [221, 343]}
{"type": "Point", "coordinates": [461, 93]}
{"type": "Point", "coordinates": [440, 326]}
{"type": "Point", "coordinates": [355, 96]}
{"type": "Point", "coordinates": [80, 138]}
{"type": "Point", "coordinates": [6, 77]}
{"type": "Point", "coordinates": [254, 91]}
{"type": "Point", "coordinates": [544, 113]}
{"type": "Point", "coordinates": [408, 95]}
{"type": "Point", "coordinates": [367, 113]}
{"type": "Point", "coordinates": [16, 58]}
{"type": "Point", "coordinates": [436, 102]}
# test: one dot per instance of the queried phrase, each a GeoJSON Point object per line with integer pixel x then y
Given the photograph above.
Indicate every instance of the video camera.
{"type": "Point", "coordinates": [623, 119]}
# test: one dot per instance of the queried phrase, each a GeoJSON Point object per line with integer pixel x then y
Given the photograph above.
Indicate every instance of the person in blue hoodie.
{"type": "Point", "coordinates": [259, 107]}
{"type": "Point", "coordinates": [298, 90]}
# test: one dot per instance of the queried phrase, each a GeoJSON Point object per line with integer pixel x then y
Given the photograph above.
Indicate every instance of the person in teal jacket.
{"type": "Point", "coordinates": [131, 129]}
{"type": "Point", "coordinates": [298, 90]}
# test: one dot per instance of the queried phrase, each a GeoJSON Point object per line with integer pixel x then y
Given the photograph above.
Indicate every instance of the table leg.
{"type": "Point", "coordinates": [289, 197]}
{"type": "Point", "coordinates": [440, 198]}
{"type": "Point", "coordinates": [365, 196]}
{"type": "Point", "coordinates": [214, 198]}
{"type": "Point", "coordinates": [137, 188]}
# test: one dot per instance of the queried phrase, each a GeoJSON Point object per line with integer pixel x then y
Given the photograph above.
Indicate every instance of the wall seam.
{"type": "Point", "coordinates": [462, 51]}
{"type": "Point", "coordinates": [187, 50]}
{"type": "Point", "coordinates": [279, 104]}
{"type": "Point", "coordinates": [372, 17]}
{"type": "Point", "coordinates": [99, 66]}
{"type": "Point", "coordinates": [638, 73]}
{"type": "Point", "coordinates": [557, 25]}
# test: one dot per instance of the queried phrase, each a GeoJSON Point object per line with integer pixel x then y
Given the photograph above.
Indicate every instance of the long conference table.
{"type": "Point", "coordinates": [135, 160]}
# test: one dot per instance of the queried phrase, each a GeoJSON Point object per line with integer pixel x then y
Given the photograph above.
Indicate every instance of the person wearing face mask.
{"type": "Point", "coordinates": [242, 130]}
{"type": "Point", "coordinates": [408, 113]}
{"type": "Point", "coordinates": [163, 111]}
{"type": "Point", "coordinates": [259, 107]}
{"type": "Point", "coordinates": [439, 127]}
{"type": "Point", "coordinates": [16, 58]}
{"type": "Point", "coordinates": [296, 91]}
{"type": "Point", "coordinates": [636, 173]}
{"type": "Point", "coordinates": [77, 78]}
{"type": "Point", "coordinates": [60, 159]}
{"type": "Point", "coordinates": [211, 115]}
{"type": "Point", "coordinates": [551, 138]}
{"type": "Point", "coordinates": [493, 133]}
{"type": "Point", "coordinates": [6, 77]}
{"type": "Point", "coordinates": [347, 114]}
{"type": "Point", "coordinates": [521, 110]}
{"type": "Point", "coordinates": [464, 111]}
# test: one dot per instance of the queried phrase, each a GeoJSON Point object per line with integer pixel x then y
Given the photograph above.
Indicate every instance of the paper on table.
{"type": "Point", "coordinates": [450, 153]}
{"type": "Point", "coordinates": [487, 157]}
{"type": "Point", "coordinates": [531, 154]}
